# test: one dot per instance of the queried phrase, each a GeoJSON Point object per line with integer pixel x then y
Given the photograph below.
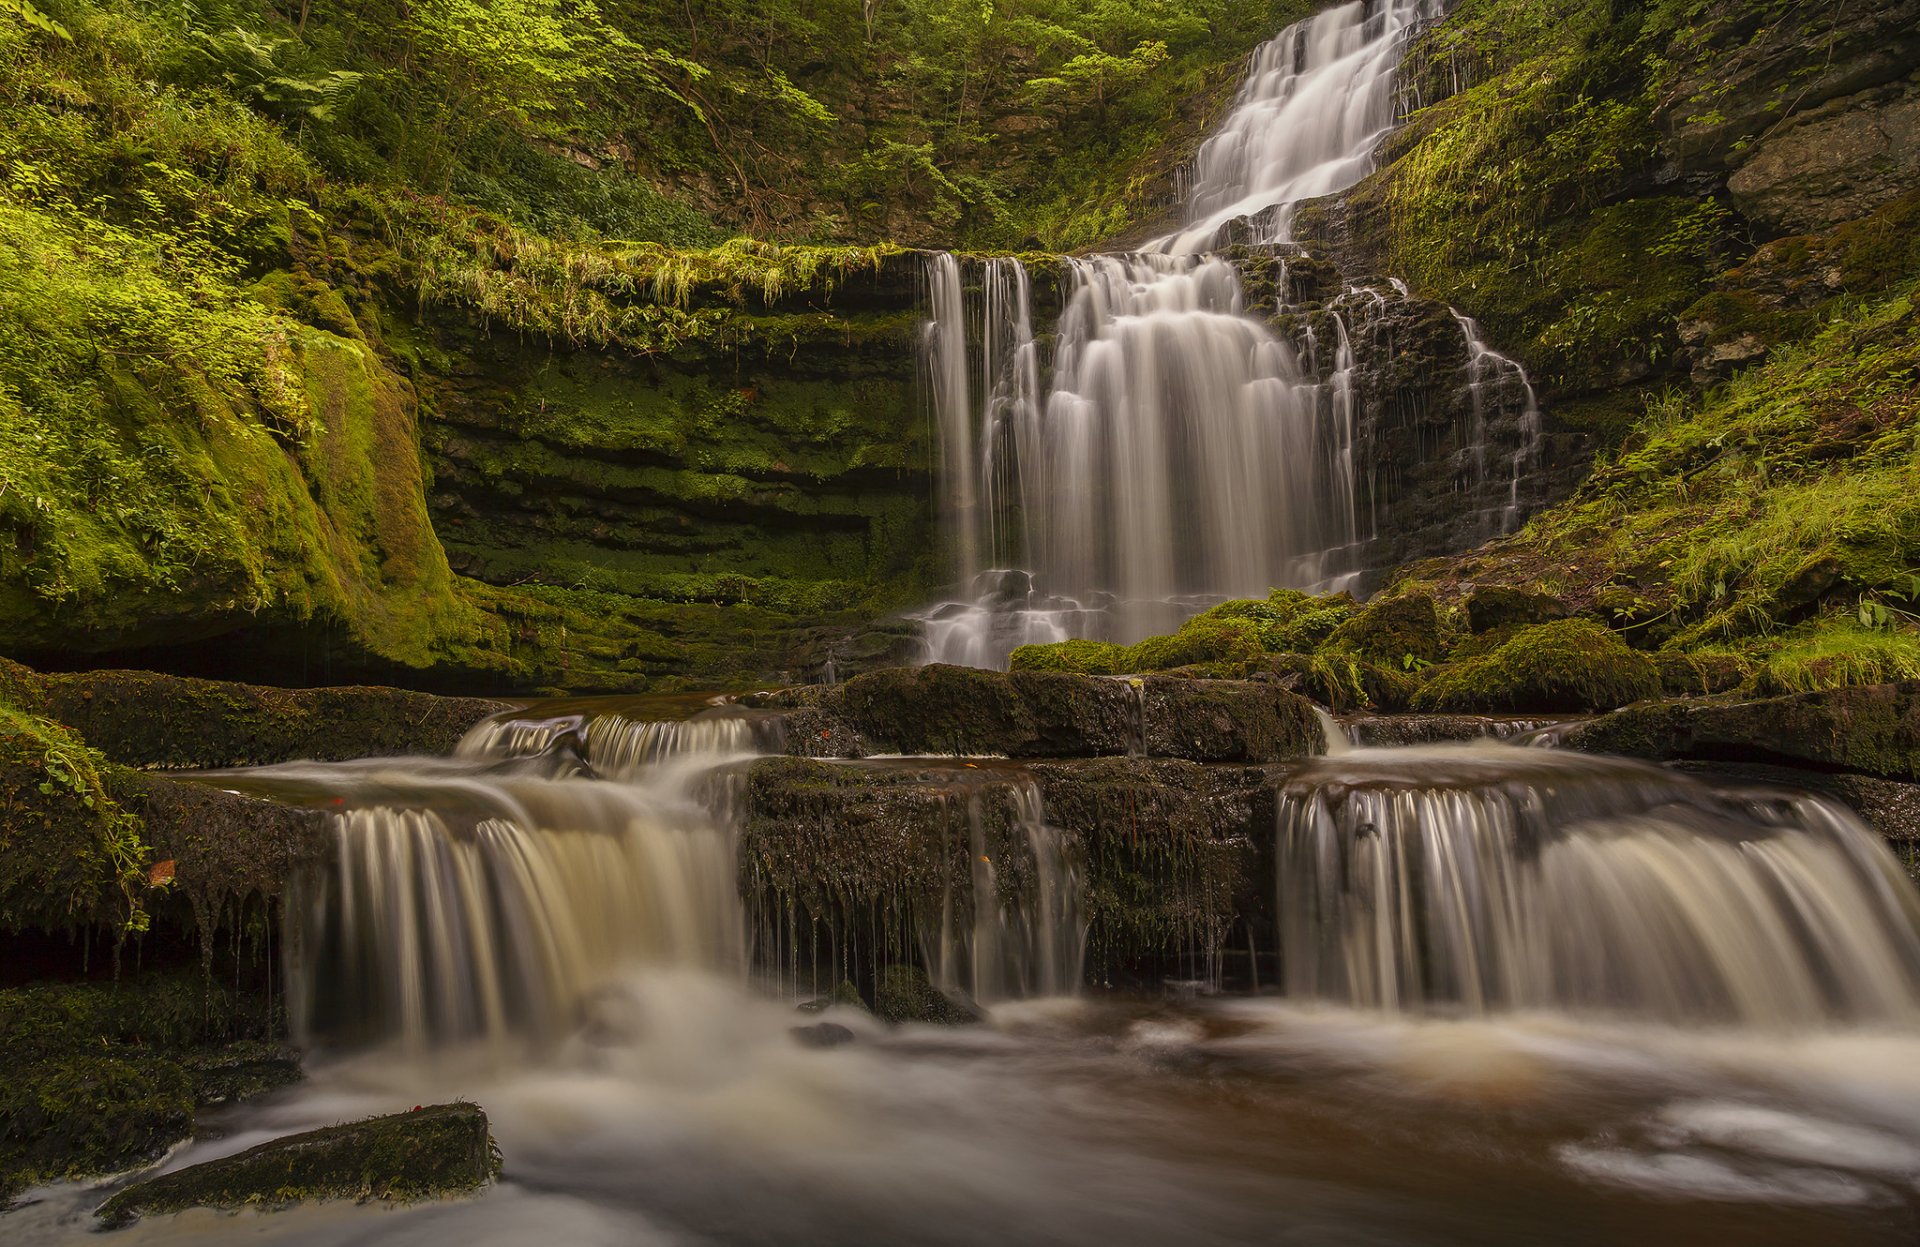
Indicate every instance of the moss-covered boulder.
{"type": "Point", "coordinates": [443, 1150]}
{"type": "Point", "coordinates": [944, 710]}
{"type": "Point", "coordinates": [1393, 630]}
{"type": "Point", "coordinates": [98, 1078]}
{"type": "Point", "coordinates": [1873, 730]}
{"type": "Point", "coordinates": [906, 995]}
{"type": "Point", "coordinates": [1498, 606]}
{"type": "Point", "coordinates": [1567, 667]}
{"type": "Point", "coordinates": [143, 718]}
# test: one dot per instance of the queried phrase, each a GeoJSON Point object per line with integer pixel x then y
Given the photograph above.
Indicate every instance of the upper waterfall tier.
{"type": "Point", "coordinates": [1316, 101]}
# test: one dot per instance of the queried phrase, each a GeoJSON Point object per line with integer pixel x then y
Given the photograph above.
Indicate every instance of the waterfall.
{"type": "Point", "coordinates": [1181, 453]}
{"type": "Point", "coordinates": [483, 908]}
{"type": "Point", "coordinates": [1316, 101]}
{"type": "Point", "coordinates": [1014, 941]}
{"type": "Point", "coordinates": [1488, 369]}
{"type": "Point", "coordinates": [1529, 879]}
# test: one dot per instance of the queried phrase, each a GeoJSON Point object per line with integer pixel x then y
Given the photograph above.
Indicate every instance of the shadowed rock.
{"type": "Point", "coordinates": [434, 1151]}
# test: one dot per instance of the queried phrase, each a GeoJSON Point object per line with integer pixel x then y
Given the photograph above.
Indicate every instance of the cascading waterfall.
{"type": "Point", "coordinates": [484, 908]}
{"type": "Point", "coordinates": [1316, 102]}
{"type": "Point", "coordinates": [1182, 454]}
{"type": "Point", "coordinates": [1487, 370]}
{"type": "Point", "coordinates": [1533, 879]}
{"type": "Point", "coordinates": [1014, 943]}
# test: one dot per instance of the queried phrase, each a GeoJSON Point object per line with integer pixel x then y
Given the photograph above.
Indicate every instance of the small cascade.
{"type": "Point", "coordinates": [470, 908]}
{"type": "Point", "coordinates": [613, 746]}
{"type": "Point", "coordinates": [1317, 101]}
{"type": "Point", "coordinates": [1020, 930]}
{"type": "Point", "coordinates": [1486, 879]}
{"type": "Point", "coordinates": [1488, 371]}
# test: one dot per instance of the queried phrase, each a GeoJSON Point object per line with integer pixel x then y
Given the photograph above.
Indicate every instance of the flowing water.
{"type": "Point", "coordinates": [1529, 996]}
{"type": "Point", "coordinates": [1180, 452]}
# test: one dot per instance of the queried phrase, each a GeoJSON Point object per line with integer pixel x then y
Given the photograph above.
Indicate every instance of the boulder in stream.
{"type": "Point", "coordinates": [441, 1150]}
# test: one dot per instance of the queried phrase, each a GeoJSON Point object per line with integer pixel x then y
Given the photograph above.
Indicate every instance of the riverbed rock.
{"type": "Point", "coordinates": [442, 1150]}
{"type": "Point", "coordinates": [906, 995]}
{"type": "Point", "coordinates": [1873, 730]}
{"type": "Point", "coordinates": [102, 1077]}
{"type": "Point", "coordinates": [962, 711]}
{"type": "Point", "coordinates": [146, 719]}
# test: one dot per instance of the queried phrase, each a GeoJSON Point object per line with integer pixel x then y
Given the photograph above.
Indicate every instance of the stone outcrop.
{"type": "Point", "coordinates": [1873, 730]}
{"type": "Point", "coordinates": [430, 1152]}
{"type": "Point", "coordinates": [1047, 714]}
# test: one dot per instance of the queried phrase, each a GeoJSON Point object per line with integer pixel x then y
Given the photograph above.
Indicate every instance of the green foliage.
{"type": "Point", "coordinates": [248, 64]}
{"type": "Point", "coordinates": [67, 843]}
{"type": "Point", "coordinates": [24, 11]}
{"type": "Point", "coordinates": [1835, 652]}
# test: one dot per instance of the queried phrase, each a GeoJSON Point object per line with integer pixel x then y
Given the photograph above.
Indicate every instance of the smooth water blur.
{"type": "Point", "coordinates": [1180, 452]}
{"type": "Point", "coordinates": [683, 1112]}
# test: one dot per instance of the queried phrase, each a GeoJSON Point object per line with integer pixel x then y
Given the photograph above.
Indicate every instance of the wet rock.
{"type": "Point", "coordinates": [145, 719]}
{"type": "Point", "coordinates": [1873, 730]}
{"type": "Point", "coordinates": [905, 995]}
{"type": "Point", "coordinates": [961, 711]}
{"type": "Point", "coordinates": [821, 1035]}
{"type": "Point", "coordinates": [845, 996]}
{"type": "Point", "coordinates": [242, 1071]}
{"type": "Point", "coordinates": [442, 1150]}
{"type": "Point", "coordinates": [1435, 729]}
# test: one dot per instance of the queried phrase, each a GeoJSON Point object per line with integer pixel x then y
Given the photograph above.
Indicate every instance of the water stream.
{"type": "Point", "coordinates": [1528, 996]}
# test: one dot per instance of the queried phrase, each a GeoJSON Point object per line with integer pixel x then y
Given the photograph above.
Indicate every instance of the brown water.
{"type": "Point", "coordinates": [570, 952]}
{"type": "Point", "coordinates": [682, 1112]}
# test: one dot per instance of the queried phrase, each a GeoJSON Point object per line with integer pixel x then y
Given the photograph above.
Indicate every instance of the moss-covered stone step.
{"type": "Point", "coordinates": [1048, 714]}
{"type": "Point", "coordinates": [850, 860]}
{"type": "Point", "coordinates": [446, 1149]}
{"type": "Point", "coordinates": [146, 719]}
{"type": "Point", "coordinates": [1872, 730]}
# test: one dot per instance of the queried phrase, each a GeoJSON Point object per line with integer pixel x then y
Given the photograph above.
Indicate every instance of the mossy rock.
{"type": "Point", "coordinates": [1342, 680]}
{"type": "Point", "coordinates": [1498, 606]}
{"type": "Point", "coordinates": [1052, 714]}
{"type": "Point", "coordinates": [146, 719]}
{"type": "Point", "coordinates": [98, 1078]}
{"type": "Point", "coordinates": [443, 1150]}
{"type": "Point", "coordinates": [1872, 730]}
{"type": "Point", "coordinates": [1567, 667]}
{"type": "Point", "coordinates": [1078, 657]}
{"type": "Point", "coordinates": [88, 1113]}
{"type": "Point", "coordinates": [905, 995]}
{"type": "Point", "coordinates": [1702, 675]}
{"type": "Point", "coordinates": [1392, 630]}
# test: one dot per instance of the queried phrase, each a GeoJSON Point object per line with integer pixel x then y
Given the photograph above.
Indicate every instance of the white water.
{"type": "Point", "coordinates": [1183, 454]}
{"type": "Point", "coordinates": [1316, 102]}
{"type": "Point", "coordinates": [1486, 878]}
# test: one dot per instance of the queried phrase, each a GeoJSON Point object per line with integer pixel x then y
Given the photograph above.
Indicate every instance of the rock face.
{"type": "Point", "coordinates": [852, 868]}
{"type": "Point", "coordinates": [1048, 714]}
{"type": "Point", "coordinates": [1835, 165]}
{"type": "Point", "coordinates": [442, 1150]}
{"type": "Point", "coordinates": [1873, 730]}
{"type": "Point", "coordinates": [145, 719]}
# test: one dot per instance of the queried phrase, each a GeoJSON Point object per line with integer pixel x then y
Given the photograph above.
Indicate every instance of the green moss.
{"type": "Point", "coordinates": [1081, 657]}
{"type": "Point", "coordinates": [1569, 666]}
{"type": "Point", "coordinates": [427, 1153]}
{"type": "Point", "coordinates": [1836, 652]}
{"type": "Point", "coordinates": [1402, 629]}
{"type": "Point", "coordinates": [102, 1077]}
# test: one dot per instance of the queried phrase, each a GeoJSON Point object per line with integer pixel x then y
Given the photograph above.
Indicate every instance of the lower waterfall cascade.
{"type": "Point", "coordinates": [1688, 1005]}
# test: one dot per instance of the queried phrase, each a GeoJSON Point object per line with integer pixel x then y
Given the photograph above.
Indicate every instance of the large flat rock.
{"type": "Point", "coordinates": [442, 1150]}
